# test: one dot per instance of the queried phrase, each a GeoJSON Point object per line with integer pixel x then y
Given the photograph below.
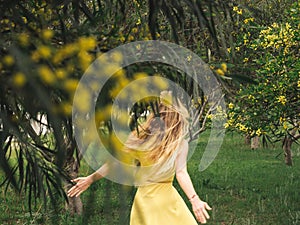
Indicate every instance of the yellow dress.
{"type": "Point", "coordinates": [159, 203]}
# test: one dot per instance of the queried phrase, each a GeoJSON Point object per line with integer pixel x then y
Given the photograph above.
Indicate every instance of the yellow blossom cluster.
{"type": "Point", "coordinates": [278, 36]}
{"type": "Point", "coordinates": [247, 20]}
{"type": "Point", "coordinates": [222, 70]}
{"type": "Point", "coordinates": [219, 114]}
{"type": "Point", "coordinates": [241, 127]}
{"type": "Point", "coordinates": [282, 99]}
{"type": "Point", "coordinates": [54, 66]}
{"type": "Point", "coordinates": [258, 132]}
{"type": "Point", "coordinates": [237, 10]}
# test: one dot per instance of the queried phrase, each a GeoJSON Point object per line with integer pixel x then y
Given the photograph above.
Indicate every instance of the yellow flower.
{"type": "Point", "coordinates": [245, 60]}
{"type": "Point", "coordinates": [23, 39]}
{"type": "Point", "coordinates": [57, 58]}
{"type": "Point", "coordinates": [19, 79]}
{"type": "Point", "coordinates": [275, 25]}
{"type": "Point", "coordinates": [235, 8]}
{"type": "Point", "coordinates": [130, 38]}
{"type": "Point", "coordinates": [140, 75]}
{"type": "Point", "coordinates": [35, 56]}
{"type": "Point", "coordinates": [248, 19]}
{"type": "Point", "coordinates": [282, 119]}
{"type": "Point", "coordinates": [44, 51]}
{"type": "Point", "coordinates": [24, 19]}
{"type": "Point", "coordinates": [66, 108]}
{"type": "Point", "coordinates": [47, 34]}
{"type": "Point", "coordinates": [258, 132]}
{"type": "Point", "coordinates": [160, 82]}
{"type": "Point", "coordinates": [61, 73]}
{"type": "Point", "coordinates": [224, 67]}
{"type": "Point", "coordinates": [83, 100]}
{"type": "Point", "coordinates": [122, 38]}
{"type": "Point", "coordinates": [243, 128]}
{"type": "Point", "coordinates": [220, 72]}
{"type": "Point", "coordinates": [189, 58]}
{"type": "Point", "coordinates": [69, 49]}
{"type": "Point", "coordinates": [120, 73]}
{"type": "Point", "coordinates": [298, 84]}
{"type": "Point", "coordinates": [121, 83]}
{"type": "Point", "coordinates": [87, 43]}
{"type": "Point", "coordinates": [70, 85]}
{"type": "Point", "coordinates": [134, 30]}
{"type": "Point", "coordinates": [281, 99]}
{"type": "Point", "coordinates": [251, 97]}
{"type": "Point", "coordinates": [85, 59]}
{"type": "Point", "coordinates": [246, 41]}
{"type": "Point", "coordinates": [46, 75]}
{"type": "Point", "coordinates": [8, 60]}
{"type": "Point", "coordinates": [103, 114]}
{"type": "Point", "coordinates": [230, 105]}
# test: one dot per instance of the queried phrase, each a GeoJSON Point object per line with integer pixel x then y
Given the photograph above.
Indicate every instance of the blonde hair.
{"type": "Point", "coordinates": [160, 135]}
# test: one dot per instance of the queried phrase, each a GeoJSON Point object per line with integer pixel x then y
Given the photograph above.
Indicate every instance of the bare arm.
{"type": "Point", "coordinates": [82, 183]}
{"type": "Point", "coordinates": [184, 180]}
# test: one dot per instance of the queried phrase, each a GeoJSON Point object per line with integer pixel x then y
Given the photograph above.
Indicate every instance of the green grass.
{"type": "Point", "coordinates": [243, 186]}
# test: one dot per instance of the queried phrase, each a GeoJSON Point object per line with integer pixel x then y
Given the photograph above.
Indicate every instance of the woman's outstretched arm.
{"type": "Point", "coordinates": [82, 183]}
{"type": "Point", "coordinates": [199, 207]}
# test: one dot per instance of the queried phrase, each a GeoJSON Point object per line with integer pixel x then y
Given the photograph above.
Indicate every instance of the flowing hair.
{"type": "Point", "coordinates": [160, 135]}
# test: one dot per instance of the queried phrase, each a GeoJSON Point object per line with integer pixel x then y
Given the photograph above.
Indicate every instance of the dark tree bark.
{"type": "Point", "coordinates": [255, 142]}
{"type": "Point", "coordinates": [74, 205]}
{"type": "Point", "coordinates": [247, 140]}
{"type": "Point", "coordinates": [287, 144]}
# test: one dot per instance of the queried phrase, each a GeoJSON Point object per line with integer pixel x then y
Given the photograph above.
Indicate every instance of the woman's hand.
{"type": "Point", "coordinates": [199, 209]}
{"type": "Point", "coordinates": [82, 183]}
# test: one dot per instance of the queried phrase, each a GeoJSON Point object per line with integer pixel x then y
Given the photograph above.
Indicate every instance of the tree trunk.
{"type": "Point", "coordinates": [287, 144]}
{"type": "Point", "coordinates": [247, 139]}
{"type": "Point", "coordinates": [255, 142]}
{"type": "Point", "coordinates": [74, 205]}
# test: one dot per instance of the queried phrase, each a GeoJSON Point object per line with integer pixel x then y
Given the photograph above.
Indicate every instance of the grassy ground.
{"type": "Point", "coordinates": [243, 186]}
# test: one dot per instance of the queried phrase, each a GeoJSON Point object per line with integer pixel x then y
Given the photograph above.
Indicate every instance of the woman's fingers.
{"type": "Point", "coordinates": [200, 212]}
{"type": "Point", "coordinates": [76, 179]}
{"type": "Point", "coordinates": [79, 193]}
{"type": "Point", "coordinates": [207, 207]}
{"type": "Point", "coordinates": [205, 213]}
{"type": "Point", "coordinates": [201, 218]}
{"type": "Point", "coordinates": [80, 185]}
{"type": "Point", "coordinates": [73, 191]}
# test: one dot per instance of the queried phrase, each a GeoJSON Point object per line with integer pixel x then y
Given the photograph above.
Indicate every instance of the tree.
{"type": "Point", "coordinates": [271, 106]}
{"type": "Point", "coordinates": [45, 48]}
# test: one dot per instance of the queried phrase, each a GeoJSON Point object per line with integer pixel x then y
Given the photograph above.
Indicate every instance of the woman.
{"type": "Point", "coordinates": [162, 151]}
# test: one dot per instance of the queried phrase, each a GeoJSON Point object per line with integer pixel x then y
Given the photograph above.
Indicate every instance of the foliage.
{"type": "Point", "coordinates": [46, 46]}
{"type": "Point", "coordinates": [271, 106]}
